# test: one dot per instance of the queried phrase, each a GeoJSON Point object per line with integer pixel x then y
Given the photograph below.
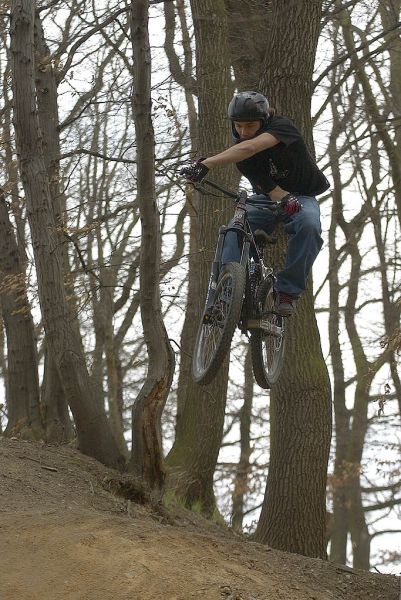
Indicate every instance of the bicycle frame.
{"type": "Point", "coordinates": [240, 295]}
{"type": "Point", "coordinates": [245, 239]}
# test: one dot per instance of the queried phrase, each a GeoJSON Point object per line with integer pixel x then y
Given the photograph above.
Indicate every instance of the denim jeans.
{"type": "Point", "coordinates": [303, 247]}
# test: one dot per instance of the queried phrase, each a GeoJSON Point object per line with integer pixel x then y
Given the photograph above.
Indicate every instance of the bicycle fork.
{"type": "Point", "coordinates": [216, 266]}
{"type": "Point", "coordinates": [214, 276]}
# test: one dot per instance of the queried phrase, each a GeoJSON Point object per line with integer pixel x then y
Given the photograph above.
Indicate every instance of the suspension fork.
{"type": "Point", "coordinates": [216, 267]}
{"type": "Point", "coordinates": [243, 240]}
{"type": "Point", "coordinates": [243, 243]}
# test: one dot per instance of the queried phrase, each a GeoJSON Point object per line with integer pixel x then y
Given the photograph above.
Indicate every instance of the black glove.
{"type": "Point", "coordinates": [290, 205]}
{"type": "Point", "coordinates": [195, 172]}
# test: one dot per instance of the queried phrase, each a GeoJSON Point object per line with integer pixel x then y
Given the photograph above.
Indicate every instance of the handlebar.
{"type": "Point", "coordinates": [241, 194]}
{"type": "Point", "coordinates": [222, 189]}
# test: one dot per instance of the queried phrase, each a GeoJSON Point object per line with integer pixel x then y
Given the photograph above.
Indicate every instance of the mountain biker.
{"type": "Point", "coordinates": [271, 153]}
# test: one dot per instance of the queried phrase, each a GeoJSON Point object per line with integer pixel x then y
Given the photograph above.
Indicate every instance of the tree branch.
{"type": "Point", "coordinates": [348, 55]}
{"type": "Point", "coordinates": [62, 73]}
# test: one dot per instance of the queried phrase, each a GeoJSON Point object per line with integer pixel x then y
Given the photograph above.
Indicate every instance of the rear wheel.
{"type": "Point", "coordinates": [218, 324]}
{"type": "Point", "coordinates": [268, 348]}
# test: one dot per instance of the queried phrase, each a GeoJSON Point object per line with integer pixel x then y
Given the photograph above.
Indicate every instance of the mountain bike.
{"type": "Point", "coordinates": [241, 295]}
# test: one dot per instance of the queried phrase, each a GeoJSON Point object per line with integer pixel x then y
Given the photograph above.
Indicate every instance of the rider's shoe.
{"type": "Point", "coordinates": [285, 304]}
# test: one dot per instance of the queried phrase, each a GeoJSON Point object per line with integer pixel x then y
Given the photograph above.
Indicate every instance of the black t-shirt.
{"type": "Point", "coordinates": [288, 164]}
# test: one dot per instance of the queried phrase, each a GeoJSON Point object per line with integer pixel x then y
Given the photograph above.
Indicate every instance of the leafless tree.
{"type": "Point", "coordinates": [193, 457]}
{"type": "Point", "coordinates": [24, 415]}
{"type": "Point", "coordinates": [94, 434]}
{"type": "Point", "coordinates": [147, 452]}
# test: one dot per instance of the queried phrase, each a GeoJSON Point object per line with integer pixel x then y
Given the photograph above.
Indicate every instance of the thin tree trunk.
{"type": "Point", "coordinates": [339, 536]}
{"type": "Point", "coordinates": [19, 238]}
{"type": "Point", "coordinates": [23, 407]}
{"type": "Point", "coordinates": [113, 363]}
{"type": "Point", "coordinates": [193, 457]}
{"type": "Point", "coordinates": [390, 14]}
{"type": "Point", "coordinates": [244, 468]}
{"type": "Point", "coordinates": [365, 372]}
{"type": "Point", "coordinates": [11, 169]}
{"type": "Point", "coordinates": [58, 423]}
{"type": "Point", "coordinates": [3, 370]}
{"type": "Point", "coordinates": [94, 435]}
{"type": "Point", "coordinates": [293, 516]}
{"type": "Point", "coordinates": [372, 108]}
{"type": "Point", "coordinates": [147, 452]}
{"type": "Point", "coordinates": [184, 77]}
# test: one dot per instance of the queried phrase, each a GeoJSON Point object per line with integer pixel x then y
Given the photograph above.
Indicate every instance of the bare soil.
{"type": "Point", "coordinates": [65, 535]}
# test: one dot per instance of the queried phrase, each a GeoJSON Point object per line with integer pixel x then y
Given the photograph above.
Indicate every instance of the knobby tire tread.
{"type": "Point", "coordinates": [238, 276]}
{"type": "Point", "coordinates": [264, 376]}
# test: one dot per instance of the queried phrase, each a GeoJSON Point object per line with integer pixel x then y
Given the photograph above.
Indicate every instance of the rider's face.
{"type": "Point", "coordinates": [247, 129]}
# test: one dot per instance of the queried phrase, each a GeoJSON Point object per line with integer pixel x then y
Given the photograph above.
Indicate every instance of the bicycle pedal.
{"type": "Point", "coordinates": [266, 326]}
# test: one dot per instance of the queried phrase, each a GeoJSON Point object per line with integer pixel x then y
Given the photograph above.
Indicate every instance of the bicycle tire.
{"type": "Point", "coordinates": [219, 332]}
{"type": "Point", "coordinates": [267, 350]}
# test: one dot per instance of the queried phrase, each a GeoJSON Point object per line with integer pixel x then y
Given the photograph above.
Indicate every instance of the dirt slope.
{"type": "Point", "coordinates": [63, 536]}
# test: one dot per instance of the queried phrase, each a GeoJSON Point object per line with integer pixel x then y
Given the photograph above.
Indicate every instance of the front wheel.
{"type": "Point", "coordinates": [267, 348]}
{"type": "Point", "coordinates": [218, 324]}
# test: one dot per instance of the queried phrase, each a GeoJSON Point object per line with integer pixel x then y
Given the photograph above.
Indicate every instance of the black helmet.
{"type": "Point", "coordinates": [248, 106]}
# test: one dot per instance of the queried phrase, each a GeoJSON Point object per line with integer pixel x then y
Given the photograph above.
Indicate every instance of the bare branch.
{"type": "Point", "coordinates": [348, 55]}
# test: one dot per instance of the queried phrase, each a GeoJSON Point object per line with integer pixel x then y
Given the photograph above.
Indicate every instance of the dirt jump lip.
{"type": "Point", "coordinates": [65, 536]}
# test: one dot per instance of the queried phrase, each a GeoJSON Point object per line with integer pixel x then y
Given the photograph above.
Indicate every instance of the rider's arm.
{"type": "Point", "coordinates": [277, 194]}
{"type": "Point", "coordinates": [244, 150]}
{"type": "Point", "coordinates": [241, 151]}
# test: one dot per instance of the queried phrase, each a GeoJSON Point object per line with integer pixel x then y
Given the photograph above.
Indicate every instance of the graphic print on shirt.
{"type": "Point", "coordinates": [287, 164]}
{"type": "Point", "coordinates": [274, 171]}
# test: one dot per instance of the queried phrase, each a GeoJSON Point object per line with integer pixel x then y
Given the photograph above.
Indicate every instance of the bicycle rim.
{"type": "Point", "coordinates": [214, 338]}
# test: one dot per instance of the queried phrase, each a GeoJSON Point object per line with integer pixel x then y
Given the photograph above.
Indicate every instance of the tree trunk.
{"type": "Point", "coordinates": [372, 107]}
{"type": "Point", "coordinates": [113, 363]}
{"type": "Point", "coordinates": [16, 205]}
{"type": "Point", "coordinates": [293, 516]}
{"type": "Point", "coordinates": [3, 370]}
{"type": "Point", "coordinates": [24, 416]}
{"type": "Point", "coordinates": [193, 457]}
{"type": "Point", "coordinates": [184, 77]}
{"type": "Point", "coordinates": [59, 427]}
{"type": "Point", "coordinates": [94, 435]}
{"type": "Point", "coordinates": [365, 372]}
{"type": "Point", "coordinates": [11, 168]}
{"type": "Point", "coordinates": [57, 419]}
{"type": "Point", "coordinates": [390, 13]}
{"type": "Point", "coordinates": [244, 468]}
{"type": "Point", "coordinates": [247, 50]}
{"type": "Point", "coordinates": [147, 452]}
{"type": "Point", "coordinates": [338, 546]}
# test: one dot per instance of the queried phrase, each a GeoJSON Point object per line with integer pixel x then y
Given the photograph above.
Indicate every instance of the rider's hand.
{"type": "Point", "coordinates": [195, 172]}
{"type": "Point", "coordinates": [290, 205]}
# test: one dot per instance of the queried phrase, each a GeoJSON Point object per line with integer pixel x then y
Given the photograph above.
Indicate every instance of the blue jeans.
{"type": "Point", "coordinates": [303, 247]}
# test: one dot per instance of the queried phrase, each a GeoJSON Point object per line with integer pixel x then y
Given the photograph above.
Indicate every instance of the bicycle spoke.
{"type": "Point", "coordinates": [268, 349]}
{"type": "Point", "coordinates": [215, 332]}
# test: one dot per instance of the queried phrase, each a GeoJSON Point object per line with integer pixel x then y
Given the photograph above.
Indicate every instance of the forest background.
{"type": "Point", "coordinates": [94, 210]}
